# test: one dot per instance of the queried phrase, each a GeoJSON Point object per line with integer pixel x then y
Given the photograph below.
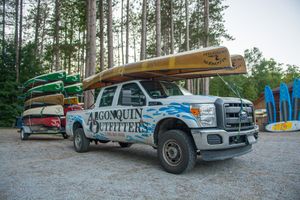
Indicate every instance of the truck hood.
{"type": "Point", "coordinates": [197, 99]}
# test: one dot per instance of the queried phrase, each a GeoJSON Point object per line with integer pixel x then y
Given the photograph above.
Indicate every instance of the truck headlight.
{"type": "Point", "coordinates": [205, 113]}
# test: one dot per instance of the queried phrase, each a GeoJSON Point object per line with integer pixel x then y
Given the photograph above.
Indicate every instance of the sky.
{"type": "Point", "coordinates": [271, 25]}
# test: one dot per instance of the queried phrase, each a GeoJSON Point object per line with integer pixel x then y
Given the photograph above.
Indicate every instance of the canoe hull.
{"type": "Point", "coordinates": [42, 90]}
{"type": "Point", "coordinates": [74, 89]}
{"type": "Point", "coordinates": [56, 110]}
{"type": "Point", "coordinates": [44, 79]}
{"type": "Point", "coordinates": [54, 122]}
{"type": "Point", "coordinates": [72, 79]}
{"type": "Point", "coordinates": [55, 99]}
{"type": "Point", "coordinates": [162, 68]}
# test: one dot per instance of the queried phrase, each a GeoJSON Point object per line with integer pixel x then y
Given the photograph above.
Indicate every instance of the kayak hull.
{"type": "Point", "coordinates": [56, 110]}
{"type": "Point", "coordinates": [55, 99]}
{"type": "Point", "coordinates": [42, 90]}
{"type": "Point", "coordinates": [44, 79]}
{"type": "Point", "coordinates": [54, 122]}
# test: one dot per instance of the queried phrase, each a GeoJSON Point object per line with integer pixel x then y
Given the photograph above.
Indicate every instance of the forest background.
{"type": "Point", "coordinates": [42, 36]}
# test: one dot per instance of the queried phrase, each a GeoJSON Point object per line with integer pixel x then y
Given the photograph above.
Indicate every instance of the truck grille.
{"type": "Point", "coordinates": [230, 116]}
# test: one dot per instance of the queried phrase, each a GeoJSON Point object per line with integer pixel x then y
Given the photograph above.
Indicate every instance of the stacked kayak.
{"type": "Point", "coordinates": [48, 98]}
{"type": "Point", "coordinates": [44, 79]}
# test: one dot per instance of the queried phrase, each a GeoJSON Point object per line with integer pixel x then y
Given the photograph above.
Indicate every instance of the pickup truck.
{"type": "Point", "coordinates": [169, 118]}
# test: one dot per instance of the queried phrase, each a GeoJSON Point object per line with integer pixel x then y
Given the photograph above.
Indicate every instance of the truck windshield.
{"type": "Point", "coordinates": [161, 89]}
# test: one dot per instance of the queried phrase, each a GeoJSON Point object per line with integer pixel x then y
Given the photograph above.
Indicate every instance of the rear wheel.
{"type": "Point", "coordinates": [23, 135]}
{"type": "Point", "coordinates": [65, 136]}
{"type": "Point", "coordinates": [125, 144]}
{"type": "Point", "coordinates": [176, 151]}
{"type": "Point", "coordinates": [81, 143]}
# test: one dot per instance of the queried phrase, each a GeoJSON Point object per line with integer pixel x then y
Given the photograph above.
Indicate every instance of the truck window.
{"type": "Point", "coordinates": [157, 89]}
{"type": "Point", "coordinates": [107, 96]}
{"type": "Point", "coordinates": [131, 95]}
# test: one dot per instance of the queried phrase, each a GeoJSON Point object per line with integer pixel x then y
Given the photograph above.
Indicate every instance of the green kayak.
{"type": "Point", "coordinates": [44, 78]}
{"type": "Point", "coordinates": [73, 89]}
{"type": "Point", "coordinates": [72, 79]}
{"type": "Point", "coordinates": [49, 88]}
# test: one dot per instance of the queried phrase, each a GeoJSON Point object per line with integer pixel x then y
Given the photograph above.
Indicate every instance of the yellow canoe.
{"type": "Point", "coordinates": [163, 68]}
{"type": "Point", "coordinates": [238, 63]}
{"type": "Point", "coordinates": [54, 99]}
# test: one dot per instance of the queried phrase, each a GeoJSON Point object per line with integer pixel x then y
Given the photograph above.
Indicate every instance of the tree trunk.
{"type": "Point", "coordinates": [70, 43]}
{"type": "Point", "coordinates": [20, 35]}
{"type": "Point", "coordinates": [43, 32]}
{"type": "Point", "coordinates": [144, 31]}
{"type": "Point", "coordinates": [91, 50]}
{"type": "Point", "coordinates": [187, 40]}
{"type": "Point", "coordinates": [3, 30]}
{"type": "Point", "coordinates": [122, 41]}
{"type": "Point", "coordinates": [17, 42]}
{"type": "Point", "coordinates": [101, 23]}
{"type": "Point", "coordinates": [56, 35]}
{"type": "Point", "coordinates": [134, 49]}
{"type": "Point", "coordinates": [172, 26]}
{"type": "Point", "coordinates": [37, 25]}
{"type": "Point", "coordinates": [158, 29]}
{"type": "Point", "coordinates": [110, 35]}
{"type": "Point", "coordinates": [127, 32]}
{"type": "Point", "coordinates": [205, 81]}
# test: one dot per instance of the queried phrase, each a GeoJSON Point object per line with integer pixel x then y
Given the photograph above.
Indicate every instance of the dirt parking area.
{"type": "Point", "coordinates": [47, 167]}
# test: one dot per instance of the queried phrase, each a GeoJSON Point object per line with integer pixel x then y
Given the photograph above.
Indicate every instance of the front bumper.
{"type": "Point", "coordinates": [227, 140]}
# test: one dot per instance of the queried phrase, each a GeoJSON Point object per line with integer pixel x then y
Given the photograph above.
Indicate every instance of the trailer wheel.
{"type": "Point", "coordinates": [23, 135]}
{"type": "Point", "coordinates": [65, 136]}
{"type": "Point", "coordinates": [125, 144]}
{"type": "Point", "coordinates": [176, 151]}
{"type": "Point", "coordinates": [81, 143]}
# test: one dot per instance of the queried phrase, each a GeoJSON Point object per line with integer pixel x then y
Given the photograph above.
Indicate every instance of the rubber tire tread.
{"type": "Point", "coordinates": [188, 150]}
{"type": "Point", "coordinates": [85, 142]}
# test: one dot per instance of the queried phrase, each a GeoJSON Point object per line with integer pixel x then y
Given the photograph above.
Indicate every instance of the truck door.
{"type": "Point", "coordinates": [132, 102]}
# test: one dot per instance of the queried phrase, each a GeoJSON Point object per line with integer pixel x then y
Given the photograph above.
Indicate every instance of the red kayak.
{"type": "Point", "coordinates": [43, 121]}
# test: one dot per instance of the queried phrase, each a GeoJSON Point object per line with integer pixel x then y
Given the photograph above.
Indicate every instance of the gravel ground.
{"type": "Point", "coordinates": [47, 167]}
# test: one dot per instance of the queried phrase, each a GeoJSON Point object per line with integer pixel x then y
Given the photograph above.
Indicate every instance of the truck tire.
{"type": "Point", "coordinates": [23, 135]}
{"type": "Point", "coordinates": [125, 144]}
{"type": "Point", "coordinates": [81, 143]}
{"type": "Point", "coordinates": [176, 151]}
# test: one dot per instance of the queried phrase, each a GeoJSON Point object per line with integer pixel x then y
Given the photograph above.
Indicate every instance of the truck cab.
{"type": "Point", "coordinates": [164, 115]}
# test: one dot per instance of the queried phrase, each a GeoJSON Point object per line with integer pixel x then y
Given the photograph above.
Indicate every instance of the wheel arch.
{"type": "Point", "coordinates": [171, 123]}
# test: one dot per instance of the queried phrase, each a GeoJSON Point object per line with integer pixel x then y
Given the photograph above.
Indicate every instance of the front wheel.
{"type": "Point", "coordinates": [176, 151]}
{"type": "Point", "coordinates": [23, 135]}
{"type": "Point", "coordinates": [81, 143]}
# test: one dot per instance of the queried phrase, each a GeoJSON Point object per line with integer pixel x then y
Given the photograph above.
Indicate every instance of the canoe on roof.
{"type": "Point", "coordinates": [72, 79]}
{"type": "Point", "coordinates": [49, 88]}
{"type": "Point", "coordinates": [44, 78]}
{"type": "Point", "coordinates": [56, 110]}
{"type": "Point", "coordinates": [163, 68]}
{"type": "Point", "coordinates": [53, 99]}
{"type": "Point", "coordinates": [238, 67]}
{"type": "Point", "coordinates": [73, 89]}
